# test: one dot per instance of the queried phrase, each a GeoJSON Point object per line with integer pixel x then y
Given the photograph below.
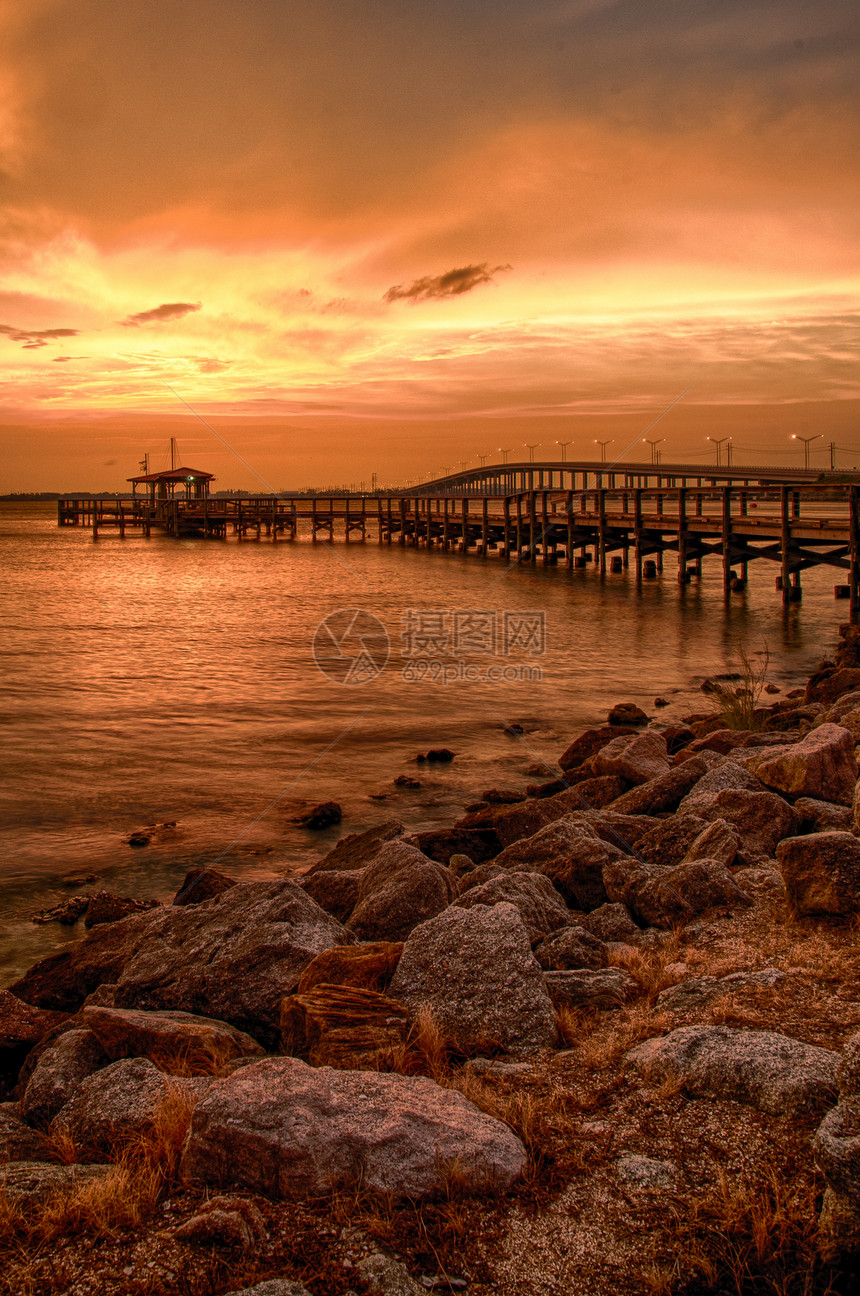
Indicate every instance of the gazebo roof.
{"type": "Point", "coordinates": [173, 475]}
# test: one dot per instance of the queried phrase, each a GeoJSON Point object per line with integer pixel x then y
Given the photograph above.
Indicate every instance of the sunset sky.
{"type": "Point", "coordinates": [368, 236]}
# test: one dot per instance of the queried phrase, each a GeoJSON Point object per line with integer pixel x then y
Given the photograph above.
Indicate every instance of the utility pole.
{"type": "Point", "coordinates": [603, 445]}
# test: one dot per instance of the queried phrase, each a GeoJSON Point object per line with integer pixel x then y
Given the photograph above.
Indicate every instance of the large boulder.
{"type": "Point", "coordinates": [25, 1184]}
{"type": "Point", "coordinates": [475, 971]}
{"type": "Point", "coordinates": [343, 1026]}
{"type": "Point", "coordinates": [820, 765]}
{"type": "Point", "coordinates": [18, 1142]}
{"type": "Point", "coordinates": [821, 872]}
{"type": "Point", "coordinates": [532, 894]}
{"type": "Point", "coordinates": [572, 947]}
{"type": "Point", "coordinates": [726, 774]}
{"type": "Point", "coordinates": [637, 757]}
{"type": "Point", "coordinates": [289, 1130]}
{"type": "Point", "coordinates": [590, 988]}
{"type": "Point", "coordinates": [763, 1069]}
{"type": "Point", "coordinates": [590, 742]}
{"type": "Point", "coordinates": [167, 1038]}
{"type": "Point", "coordinates": [761, 819]}
{"type": "Point", "coordinates": [719, 842]}
{"type": "Point", "coordinates": [663, 793]}
{"type": "Point", "coordinates": [664, 897]}
{"type": "Point", "coordinates": [399, 890]}
{"type": "Point", "coordinates": [72, 1057]}
{"type": "Point", "coordinates": [358, 849]}
{"type": "Point", "coordinates": [368, 966]}
{"type": "Point", "coordinates": [21, 1026]}
{"type": "Point", "coordinates": [668, 840]}
{"type": "Point", "coordinates": [836, 1146]}
{"type": "Point", "coordinates": [822, 816]}
{"type": "Point", "coordinates": [118, 1102]}
{"type": "Point", "coordinates": [335, 890]}
{"type": "Point", "coordinates": [233, 958]}
{"type": "Point", "coordinates": [571, 854]}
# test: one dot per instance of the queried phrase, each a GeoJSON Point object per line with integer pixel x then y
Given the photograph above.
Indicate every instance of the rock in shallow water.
{"type": "Point", "coordinates": [290, 1130]}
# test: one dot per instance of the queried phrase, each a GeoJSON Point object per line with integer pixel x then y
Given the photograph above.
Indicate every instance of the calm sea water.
{"type": "Point", "coordinates": [149, 681]}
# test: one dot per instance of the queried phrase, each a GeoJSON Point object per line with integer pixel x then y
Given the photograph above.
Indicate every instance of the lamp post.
{"type": "Point", "coordinates": [531, 449]}
{"type": "Point", "coordinates": [505, 453]}
{"type": "Point", "coordinates": [482, 459]}
{"type": "Point", "coordinates": [603, 445]}
{"type": "Point", "coordinates": [795, 436]}
{"type": "Point", "coordinates": [564, 445]}
{"type": "Point", "coordinates": [463, 463]}
{"type": "Point", "coordinates": [719, 442]}
{"type": "Point", "coordinates": [653, 443]}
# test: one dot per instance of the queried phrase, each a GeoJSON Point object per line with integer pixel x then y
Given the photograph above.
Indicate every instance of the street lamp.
{"type": "Point", "coordinates": [463, 463]}
{"type": "Point", "coordinates": [505, 453]}
{"type": "Point", "coordinates": [603, 445]}
{"type": "Point", "coordinates": [564, 445]}
{"type": "Point", "coordinates": [482, 459]}
{"type": "Point", "coordinates": [719, 442]}
{"type": "Point", "coordinates": [531, 449]}
{"type": "Point", "coordinates": [795, 436]}
{"type": "Point", "coordinates": [655, 453]}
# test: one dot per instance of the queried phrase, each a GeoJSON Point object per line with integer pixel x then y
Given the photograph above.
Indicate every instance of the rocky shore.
{"type": "Point", "coordinates": [601, 1036]}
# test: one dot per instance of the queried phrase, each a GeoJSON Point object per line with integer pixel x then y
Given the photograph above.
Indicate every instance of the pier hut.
{"type": "Point", "coordinates": [174, 483]}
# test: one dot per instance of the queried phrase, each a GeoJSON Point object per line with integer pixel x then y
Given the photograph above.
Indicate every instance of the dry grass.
{"type": "Point", "coordinates": [736, 701]}
{"type": "Point", "coordinates": [746, 1238]}
{"type": "Point", "coordinates": [648, 967]}
{"type": "Point", "coordinates": [144, 1169]}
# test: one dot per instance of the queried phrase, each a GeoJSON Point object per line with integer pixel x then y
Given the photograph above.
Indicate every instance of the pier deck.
{"type": "Point", "coordinates": [637, 515]}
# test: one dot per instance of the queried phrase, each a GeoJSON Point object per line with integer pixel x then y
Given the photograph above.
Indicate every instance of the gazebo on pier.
{"type": "Point", "coordinates": [174, 483]}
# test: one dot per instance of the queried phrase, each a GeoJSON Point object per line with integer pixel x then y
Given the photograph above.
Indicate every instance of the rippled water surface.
{"type": "Point", "coordinates": [146, 681]}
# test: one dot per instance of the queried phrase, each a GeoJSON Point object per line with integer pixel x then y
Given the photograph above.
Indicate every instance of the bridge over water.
{"type": "Point", "coordinates": [576, 514]}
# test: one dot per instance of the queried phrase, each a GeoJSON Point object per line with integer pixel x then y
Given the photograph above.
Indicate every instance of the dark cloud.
{"type": "Point", "coordinates": [450, 284]}
{"type": "Point", "coordinates": [32, 338]}
{"type": "Point", "coordinates": [161, 314]}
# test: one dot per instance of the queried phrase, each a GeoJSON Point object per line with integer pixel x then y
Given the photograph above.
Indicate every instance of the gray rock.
{"type": "Point", "coordinates": [646, 1173]}
{"type": "Point", "coordinates": [357, 850]}
{"type": "Point", "coordinates": [118, 1102]}
{"type": "Point", "coordinates": [665, 793]}
{"type": "Point", "coordinates": [167, 1037]}
{"type": "Point", "coordinates": [661, 897]}
{"type": "Point", "coordinates": [727, 774]}
{"type": "Point", "coordinates": [72, 1057]}
{"type": "Point", "coordinates": [763, 1069]}
{"type": "Point", "coordinates": [290, 1130]}
{"type": "Point", "coordinates": [393, 902]}
{"type": "Point", "coordinates": [822, 816]}
{"type": "Point", "coordinates": [18, 1142]}
{"type": "Point", "coordinates": [571, 854]}
{"type": "Point", "coordinates": [698, 992]}
{"type": "Point", "coordinates": [233, 958]}
{"type": "Point", "coordinates": [637, 757]}
{"type": "Point", "coordinates": [669, 840]}
{"type": "Point", "coordinates": [836, 1147]}
{"type": "Point", "coordinates": [335, 890]}
{"type": "Point", "coordinates": [605, 988]}
{"type": "Point", "coordinates": [383, 1276]}
{"type": "Point", "coordinates": [532, 894]}
{"type": "Point", "coordinates": [821, 873]}
{"type": "Point", "coordinates": [821, 765]}
{"type": "Point", "coordinates": [28, 1183]}
{"type": "Point", "coordinates": [572, 947]}
{"type": "Point", "coordinates": [719, 841]}
{"type": "Point", "coordinates": [611, 922]}
{"type": "Point", "coordinates": [761, 819]}
{"type": "Point", "coordinates": [849, 1068]}
{"type": "Point", "coordinates": [474, 969]}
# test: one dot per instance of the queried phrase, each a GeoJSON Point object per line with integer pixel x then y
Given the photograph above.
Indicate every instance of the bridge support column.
{"type": "Point", "coordinates": [785, 541]}
{"type": "Point", "coordinates": [544, 521]}
{"type": "Point", "coordinates": [485, 527]}
{"type": "Point", "coordinates": [682, 537]}
{"type": "Point", "coordinates": [854, 532]}
{"type": "Point", "coordinates": [532, 524]}
{"type": "Point", "coordinates": [569, 530]}
{"type": "Point", "coordinates": [506, 542]}
{"type": "Point", "coordinates": [727, 539]}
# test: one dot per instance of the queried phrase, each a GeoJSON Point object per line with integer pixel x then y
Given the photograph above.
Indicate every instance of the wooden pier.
{"type": "Point", "coordinates": [570, 514]}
